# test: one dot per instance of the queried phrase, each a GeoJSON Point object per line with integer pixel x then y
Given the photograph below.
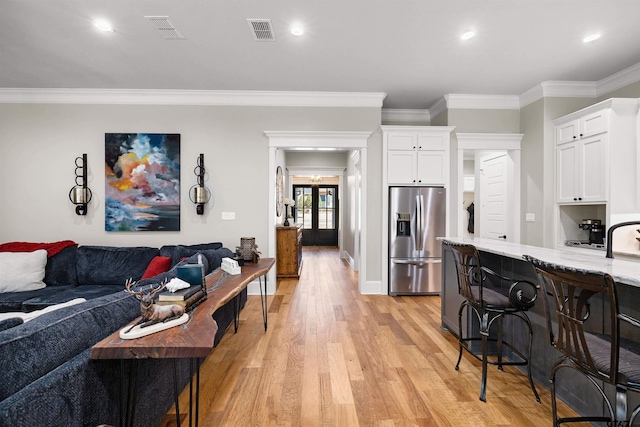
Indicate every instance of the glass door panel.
{"type": "Point", "coordinates": [316, 209]}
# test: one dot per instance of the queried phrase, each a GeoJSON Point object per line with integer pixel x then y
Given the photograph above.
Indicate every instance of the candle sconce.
{"type": "Point", "coordinates": [286, 212]}
{"type": "Point", "coordinates": [80, 195]}
{"type": "Point", "coordinates": [199, 193]}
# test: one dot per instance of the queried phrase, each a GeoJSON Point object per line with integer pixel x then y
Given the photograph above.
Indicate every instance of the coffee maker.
{"type": "Point", "coordinates": [595, 229]}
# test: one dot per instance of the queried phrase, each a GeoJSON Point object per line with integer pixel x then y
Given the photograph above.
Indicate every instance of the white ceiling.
{"type": "Point", "coordinates": [409, 49]}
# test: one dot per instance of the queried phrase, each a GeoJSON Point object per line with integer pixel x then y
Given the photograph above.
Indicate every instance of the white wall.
{"type": "Point", "coordinates": [317, 159]}
{"type": "Point", "coordinates": [489, 120]}
{"type": "Point", "coordinates": [534, 173]}
{"type": "Point", "coordinates": [41, 141]}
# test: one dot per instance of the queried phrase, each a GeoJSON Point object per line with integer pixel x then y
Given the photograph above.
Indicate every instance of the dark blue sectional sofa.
{"type": "Point", "coordinates": [47, 375]}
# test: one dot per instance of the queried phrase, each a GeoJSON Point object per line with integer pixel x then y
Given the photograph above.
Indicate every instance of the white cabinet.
{"type": "Point", "coordinates": [588, 125]}
{"type": "Point", "coordinates": [431, 167]}
{"type": "Point", "coordinates": [401, 167]}
{"type": "Point", "coordinates": [581, 156]}
{"type": "Point", "coordinates": [597, 165]}
{"type": "Point", "coordinates": [581, 170]}
{"type": "Point", "coordinates": [417, 155]}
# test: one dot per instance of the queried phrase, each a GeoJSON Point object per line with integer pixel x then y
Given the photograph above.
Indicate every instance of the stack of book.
{"type": "Point", "coordinates": [189, 297]}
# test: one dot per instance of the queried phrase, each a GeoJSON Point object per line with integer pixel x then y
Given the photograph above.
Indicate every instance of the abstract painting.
{"type": "Point", "coordinates": [142, 182]}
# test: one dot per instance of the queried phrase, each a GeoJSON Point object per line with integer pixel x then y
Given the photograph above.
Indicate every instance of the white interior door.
{"type": "Point", "coordinates": [494, 196]}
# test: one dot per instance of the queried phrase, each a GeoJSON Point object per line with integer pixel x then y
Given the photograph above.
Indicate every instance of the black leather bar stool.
{"type": "Point", "coordinates": [600, 356]}
{"type": "Point", "coordinates": [490, 307]}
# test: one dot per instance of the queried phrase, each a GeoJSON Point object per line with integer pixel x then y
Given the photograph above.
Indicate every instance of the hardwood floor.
{"type": "Point", "coordinates": [333, 357]}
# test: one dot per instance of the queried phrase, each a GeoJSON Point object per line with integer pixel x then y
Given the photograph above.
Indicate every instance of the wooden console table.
{"type": "Point", "coordinates": [192, 340]}
{"type": "Point", "coordinates": [289, 250]}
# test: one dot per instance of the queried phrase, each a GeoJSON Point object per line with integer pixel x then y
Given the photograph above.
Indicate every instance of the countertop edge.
{"type": "Point", "coordinates": [622, 270]}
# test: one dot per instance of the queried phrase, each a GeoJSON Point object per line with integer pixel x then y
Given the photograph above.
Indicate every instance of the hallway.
{"type": "Point", "coordinates": [333, 357]}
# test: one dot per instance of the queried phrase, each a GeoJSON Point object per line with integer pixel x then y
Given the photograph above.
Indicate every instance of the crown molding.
{"type": "Point", "coordinates": [619, 105]}
{"type": "Point", "coordinates": [192, 97]}
{"type": "Point", "coordinates": [570, 89]}
{"type": "Point", "coordinates": [314, 139]}
{"type": "Point", "coordinates": [547, 89]}
{"type": "Point", "coordinates": [620, 79]}
{"type": "Point", "coordinates": [559, 89]}
{"type": "Point", "coordinates": [439, 107]}
{"type": "Point", "coordinates": [390, 115]}
{"type": "Point", "coordinates": [532, 95]}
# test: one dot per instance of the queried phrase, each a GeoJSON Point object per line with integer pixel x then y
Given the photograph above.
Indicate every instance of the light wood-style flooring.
{"type": "Point", "coordinates": [333, 357]}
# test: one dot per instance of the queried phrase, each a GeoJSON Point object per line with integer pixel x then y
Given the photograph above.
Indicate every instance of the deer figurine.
{"type": "Point", "coordinates": [149, 310]}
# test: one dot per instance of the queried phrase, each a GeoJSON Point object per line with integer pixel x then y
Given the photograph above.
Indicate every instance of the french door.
{"type": "Point", "coordinates": [316, 208]}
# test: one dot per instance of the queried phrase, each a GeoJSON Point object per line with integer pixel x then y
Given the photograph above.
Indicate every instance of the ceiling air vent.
{"type": "Point", "coordinates": [165, 27]}
{"type": "Point", "coordinates": [261, 30]}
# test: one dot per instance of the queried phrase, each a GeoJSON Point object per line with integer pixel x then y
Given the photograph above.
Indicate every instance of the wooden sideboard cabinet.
{"type": "Point", "coordinates": [288, 251]}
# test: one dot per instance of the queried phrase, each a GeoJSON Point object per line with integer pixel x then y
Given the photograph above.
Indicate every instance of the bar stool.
{"type": "Point", "coordinates": [599, 356]}
{"type": "Point", "coordinates": [488, 305]}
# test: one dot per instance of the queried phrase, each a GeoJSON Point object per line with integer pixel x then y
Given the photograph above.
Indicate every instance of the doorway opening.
{"type": "Point", "coordinates": [486, 177]}
{"type": "Point", "coordinates": [355, 186]}
{"type": "Point", "coordinates": [316, 208]}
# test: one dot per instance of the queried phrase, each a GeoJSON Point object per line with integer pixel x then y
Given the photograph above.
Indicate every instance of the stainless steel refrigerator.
{"type": "Point", "coordinates": [417, 216]}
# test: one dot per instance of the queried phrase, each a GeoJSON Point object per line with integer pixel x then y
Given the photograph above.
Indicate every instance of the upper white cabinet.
{"type": "Point", "coordinates": [581, 170]}
{"type": "Point", "coordinates": [583, 127]}
{"type": "Point", "coordinates": [417, 155]}
{"type": "Point", "coordinates": [597, 156]}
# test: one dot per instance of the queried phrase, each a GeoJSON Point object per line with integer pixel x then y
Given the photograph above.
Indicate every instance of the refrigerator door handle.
{"type": "Point", "coordinates": [417, 231]}
{"type": "Point", "coordinates": [417, 262]}
{"type": "Point", "coordinates": [419, 218]}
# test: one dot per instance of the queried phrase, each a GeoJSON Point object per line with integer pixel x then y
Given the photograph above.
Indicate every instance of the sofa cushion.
{"type": "Point", "coordinates": [61, 268]}
{"type": "Point", "coordinates": [197, 258]}
{"type": "Point", "coordinates": [22, 271]}
{"type": "Point", "coordinates": [205, 246]}
{"type": "Point", "coordinates": [61, 265]}
{"type": "Point", "coordinates": [158, 264]}
{"type": "Point", "coordinates": [177, 252]}
{"type": "Point", "coordinates": [107, 265]}
{"type": "Point", "coordinates": [71, 293]}
{"type": "Point", "coordinates": [12, 301]}
{"type": "Point", "coordinates": [48, 341]}
{"type": "Point", "coordinates": [215, 257]}
{"type": "Point", "coordinates": [33, 314]}
{"type": "Point", "coordinates": [10, 323]}
{"type": "Point", "coordinates": [55, 398]}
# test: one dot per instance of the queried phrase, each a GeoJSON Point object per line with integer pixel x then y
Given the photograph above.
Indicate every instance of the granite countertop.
{"type": "Point", "coordinates": [622, 270]}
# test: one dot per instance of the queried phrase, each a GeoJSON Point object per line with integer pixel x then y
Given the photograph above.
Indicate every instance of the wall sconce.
{"type": "Point", "coordinates": [315, 179]}
{"type": "Point", "coordinates": [80, 194]}
{"type": "Point", "coordinates": [199, 194]}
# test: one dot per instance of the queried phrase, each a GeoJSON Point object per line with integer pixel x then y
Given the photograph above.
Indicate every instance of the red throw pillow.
{"type": "Point", "coordinates": [158, 264]}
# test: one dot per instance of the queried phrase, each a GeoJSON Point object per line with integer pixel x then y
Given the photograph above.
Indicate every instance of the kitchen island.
{"type": "Point", "coordinates": [506, 259]}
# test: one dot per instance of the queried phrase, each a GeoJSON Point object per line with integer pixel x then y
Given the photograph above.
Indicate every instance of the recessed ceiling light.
{"type": "Point", "coordinates": [297, 30]}
{"type": "Point", "coordinates": [591, 38]}
{"type": "Point", "coordinates": [103, 25]}
{"type": "Point", "coordinates": [468, 35]}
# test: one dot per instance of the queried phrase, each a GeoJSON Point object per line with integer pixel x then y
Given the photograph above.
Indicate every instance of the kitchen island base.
{"type": "Point", "coordinates": [571, 387]}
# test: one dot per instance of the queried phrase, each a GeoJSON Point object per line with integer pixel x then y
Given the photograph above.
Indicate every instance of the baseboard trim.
{"type": "Point", "coordinates": [372, 287]}
{"type": "Point", "coordinates": [352, 263]}
{"type": "Point", "coordinates": [253, 288]}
